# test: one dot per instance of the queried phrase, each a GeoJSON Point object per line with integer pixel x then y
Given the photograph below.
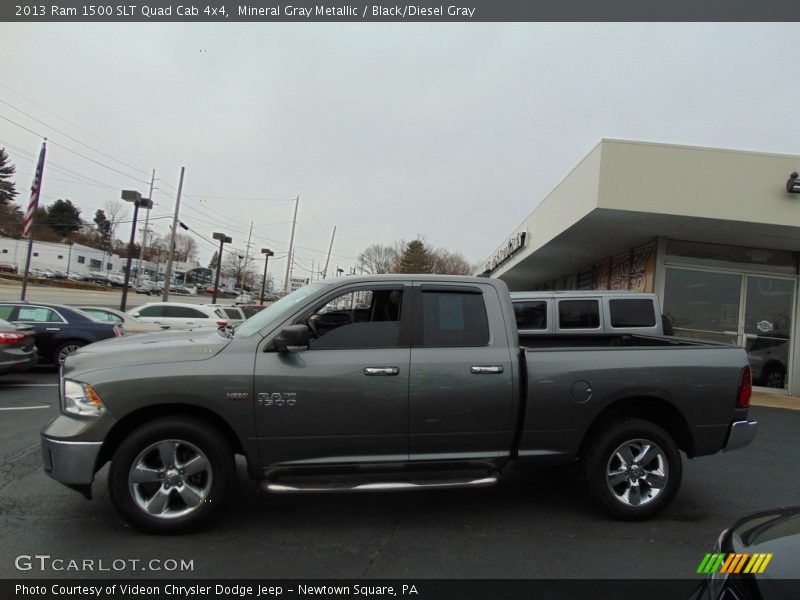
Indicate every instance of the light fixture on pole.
{"type": "Point", "coordinates": [223, 239]}
{"type": "Point", "coordinates": [267, 253]}
{"type": "Point", "coordinates": [138, 201]}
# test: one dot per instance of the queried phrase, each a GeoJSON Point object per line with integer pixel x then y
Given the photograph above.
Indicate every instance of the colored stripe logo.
{"type": "Point", "coordinates": [734, 563]}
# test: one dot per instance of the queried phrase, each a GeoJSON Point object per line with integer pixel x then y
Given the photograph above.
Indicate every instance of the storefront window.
{"type": "Point", "coordinates": [703, 304]}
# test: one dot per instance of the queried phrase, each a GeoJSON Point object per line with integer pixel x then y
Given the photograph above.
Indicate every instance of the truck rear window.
{"type": "Point", "coordinates": [454, 319]}
{"type": "Point", "coordinates": [632, 312]}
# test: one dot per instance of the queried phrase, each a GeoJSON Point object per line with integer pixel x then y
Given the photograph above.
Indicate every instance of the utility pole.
{"type": "Point", "coordinates": [291, 246]}
{"type": "Point", "coordinates": [330, 248]}
{"type": "Point", "coordinates": [168, 275]}
{"type": "Point", "coordinates": [144, 235]}
{"type": "Point", "coordinates": [246, 254]}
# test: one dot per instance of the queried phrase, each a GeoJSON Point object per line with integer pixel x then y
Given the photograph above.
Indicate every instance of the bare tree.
{"type": "Point", "coordinates": [376, 259]}
{"type": "Point", "coordinates": [115, 211]}
{"type": "Point", "coordinates": [447, 262]}
{"type": "Point", "coordinates": [233, 266]}
{"type": "Point", "coordinates": [185, 248]}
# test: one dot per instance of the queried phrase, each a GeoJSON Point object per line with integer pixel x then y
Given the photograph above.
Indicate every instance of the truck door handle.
{"type": "Point", "coordinates": [486, 370]}
{"type": "Point", "coordinates": [386, 371]}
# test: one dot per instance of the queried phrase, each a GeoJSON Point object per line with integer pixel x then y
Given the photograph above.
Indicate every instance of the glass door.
{"type": "Point", "coordinates": [766, 328]}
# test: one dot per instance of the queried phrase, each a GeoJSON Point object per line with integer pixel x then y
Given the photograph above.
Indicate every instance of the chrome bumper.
{"type": "Point", "coordinates": [741, 434]}
{"type": "Point", "coordinates": [71, 463]}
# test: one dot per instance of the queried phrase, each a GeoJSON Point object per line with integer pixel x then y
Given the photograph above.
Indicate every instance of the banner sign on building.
{"type": "Point", "coordinates": [513, 245]}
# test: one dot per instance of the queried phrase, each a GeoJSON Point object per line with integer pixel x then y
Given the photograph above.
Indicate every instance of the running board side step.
{"type": "Point", "coordinates": [280, 488]}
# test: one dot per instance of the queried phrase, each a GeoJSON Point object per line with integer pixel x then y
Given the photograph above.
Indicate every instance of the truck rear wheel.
{"type": "Point", "coordinates": [632, 468]}
{"type": "Point", "coordinates": [171, 475]}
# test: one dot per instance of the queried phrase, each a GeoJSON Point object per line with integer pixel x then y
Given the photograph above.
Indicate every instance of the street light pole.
{"type": "Point", "coordinates": [267, 253]}
{"type": "Point", "coordinates": [223, 239]}
{"type": "Point", "coordinates": [69, 258]}
{"type": "Point", "coordinates": [136, 198]}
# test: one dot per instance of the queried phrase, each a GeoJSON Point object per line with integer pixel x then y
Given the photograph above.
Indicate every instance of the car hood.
{"type": "Point", "coordinates": [148, 348]}
{"type": "Point", "coordinates": [777, 532]}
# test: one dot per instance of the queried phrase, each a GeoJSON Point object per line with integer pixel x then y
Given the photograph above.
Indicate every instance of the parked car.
{"type": "Point", "coordinates": [180, 290]}
{"type": "Point", "coordinates": [178, 313]}
{"type": "Point", "coordinates": [60, 330]}
{"type": "Point", "coordinates": [150, 289]}
{"type": "Point", "coordinates": [75, 276]}
{"type": "Point", "coordinates": [244, 298]}
{"type": "Point", "coordinates": [755, 559]}
{"type": "Point", "coordinates": [251, 309]}
{"type": "Point", "coordinates": [233, 314]}
{"type": "Point", "coordinates": [130, 325]}
{"type": "Point", "coordinates": [17, 347]}
{"type": "Point", "coordinates": [596, 312]}
{"type": "Point", "coordinates": [7, 268]}
{"type": "Point", "coordinates": [431, 377]}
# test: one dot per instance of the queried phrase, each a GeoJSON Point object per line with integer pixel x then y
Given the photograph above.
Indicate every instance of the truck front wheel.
{"type": "Point", "coordinates": [632, 468]}
{"type": "Point", "coordinates": [171, 475]}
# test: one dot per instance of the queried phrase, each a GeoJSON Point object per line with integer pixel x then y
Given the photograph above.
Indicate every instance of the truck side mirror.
{"type": "Point", "coordinates": [293, 338]}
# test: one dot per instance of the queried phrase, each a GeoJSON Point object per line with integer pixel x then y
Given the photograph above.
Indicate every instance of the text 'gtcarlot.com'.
{"type": "Point", "coordinates": [45, 562]}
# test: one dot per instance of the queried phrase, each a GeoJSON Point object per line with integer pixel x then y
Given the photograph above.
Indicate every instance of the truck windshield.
{"type": "Point", "coordinates": [274, 311]}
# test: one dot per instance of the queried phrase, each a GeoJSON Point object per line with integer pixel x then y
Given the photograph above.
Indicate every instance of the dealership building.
{"type": "Point", "coordinates": [713, 232]}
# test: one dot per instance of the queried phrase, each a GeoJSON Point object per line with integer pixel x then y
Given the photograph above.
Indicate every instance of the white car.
{"type": "Point", "coordinates": [130, 325]}
{"type": "Point", "coordinates": [179, 314]}
{"type": "Point", "coordinates": [233, 314]}
{"type": "Point", "coordinates": [244, 298]}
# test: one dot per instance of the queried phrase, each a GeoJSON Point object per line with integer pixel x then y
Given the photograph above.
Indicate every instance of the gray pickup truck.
{"type": "Point", "coordinates": [382, 383]}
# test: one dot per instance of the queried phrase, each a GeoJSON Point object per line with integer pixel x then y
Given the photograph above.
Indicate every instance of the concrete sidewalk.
{"type": "Point", "coordinates": [775, 400]}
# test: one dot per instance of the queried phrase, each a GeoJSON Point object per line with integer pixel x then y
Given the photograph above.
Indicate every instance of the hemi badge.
{"type": "Point", "coordinates": [237, 396]}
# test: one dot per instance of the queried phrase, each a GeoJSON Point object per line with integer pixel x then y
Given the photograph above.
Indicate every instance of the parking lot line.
{"type": "Point", "coordinates": [26, 407]}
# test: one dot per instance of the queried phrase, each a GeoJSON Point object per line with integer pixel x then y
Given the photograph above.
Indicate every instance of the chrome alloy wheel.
{"type": "Point", "coordinates": [637, 472]}
{"type": "Point", "coordinates": [170, 479]}
{"type": "Point", "coordinates": [66, 350]}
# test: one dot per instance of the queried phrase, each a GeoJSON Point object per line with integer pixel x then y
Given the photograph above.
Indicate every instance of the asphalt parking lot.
{"type": "Point", "coordinates": [534, 524]}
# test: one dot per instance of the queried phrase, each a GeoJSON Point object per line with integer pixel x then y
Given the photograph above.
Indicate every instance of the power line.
{"type": "Point", "coordinates": [68, 122]}
{"type": "Point", "coordinates": [70, 137]}
{"type": "Point", "coordinates": [54, 143]}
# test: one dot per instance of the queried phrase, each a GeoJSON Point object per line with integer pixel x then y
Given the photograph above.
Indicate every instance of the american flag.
{"type": "Point", "coordinates": [35, 189]}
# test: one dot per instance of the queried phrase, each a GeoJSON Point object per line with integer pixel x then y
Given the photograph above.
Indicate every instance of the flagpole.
{"type": "Point", "coordinates": [30, 216]}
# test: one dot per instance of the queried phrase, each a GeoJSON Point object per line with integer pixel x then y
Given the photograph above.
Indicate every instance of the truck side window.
{"type": "Point", "coordinates": [454, 319]}
{"type": "Point", "coordinates": [578, 314]}
{"type": "Point", "coordinates": [531, 314]}
{"type": "Point", "coordinates": [632, 312]}
{"type": "Point", "coordinates": [356, 320]}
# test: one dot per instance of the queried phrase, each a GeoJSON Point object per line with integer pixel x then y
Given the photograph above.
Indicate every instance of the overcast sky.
{"type": "Point", "coordinates": [453, 132]}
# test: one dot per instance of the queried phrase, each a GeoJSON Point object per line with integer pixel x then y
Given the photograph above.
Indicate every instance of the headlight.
{"type": "Point", "coordinates": [80, 399]}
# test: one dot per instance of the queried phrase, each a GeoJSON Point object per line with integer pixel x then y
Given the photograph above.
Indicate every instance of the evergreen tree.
{"type": "Point", "coordinates": [8, 190]}
{"type": "Point", "coordinates": [64, 217]}
{"type": "Point", "coordinates": [416, 258]}
{"type": "Point", "coordinates": [103, 226]}
{"type": "Point", "coordinates": [214, 260]}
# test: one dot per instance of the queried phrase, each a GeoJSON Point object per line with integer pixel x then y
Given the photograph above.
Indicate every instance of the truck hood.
{"type": "Point", "coordinates": [148, 348]}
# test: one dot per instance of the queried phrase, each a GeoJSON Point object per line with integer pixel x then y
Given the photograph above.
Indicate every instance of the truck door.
{"type": "Point", "coordinates": [461, 393]}
{"type": "Point", "coordinates": [345, 399]}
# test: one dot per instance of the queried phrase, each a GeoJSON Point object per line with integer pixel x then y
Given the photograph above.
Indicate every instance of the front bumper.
{"type": "Point", "coordinates": [741, 434]}
{"type": "Point", "coordinates": [71, 463]}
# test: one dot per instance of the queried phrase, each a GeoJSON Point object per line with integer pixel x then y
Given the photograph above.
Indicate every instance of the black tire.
{"type": "Point", "coordinates": [773, 376]}
{"type": "Point", "coordinates": [187, 439]}
{"type": "Point", "coordinates": [644, 486]}
{"type": "Point", "coordinates": [64, 349]}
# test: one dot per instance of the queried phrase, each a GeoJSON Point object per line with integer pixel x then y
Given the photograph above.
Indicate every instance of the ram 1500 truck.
{"type": "Point", "coordinates": [382, 383]}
